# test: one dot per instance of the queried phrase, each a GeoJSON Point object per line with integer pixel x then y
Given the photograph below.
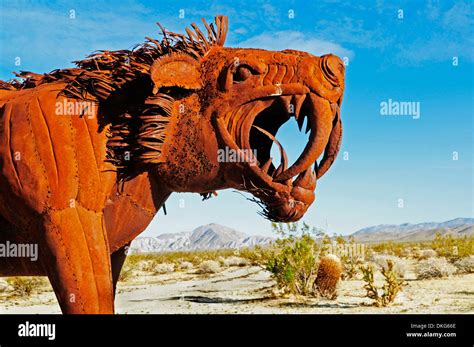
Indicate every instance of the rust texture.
{"type": "Point", "coordinates": [183, 114]}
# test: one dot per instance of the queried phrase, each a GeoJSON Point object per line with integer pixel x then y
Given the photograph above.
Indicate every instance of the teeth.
{"type": "Point", "coordinates": [298, 99]}
{"type": "Point", "coordinates": [267, 164]}
{"type": "Point", "coordinates": [278, 171]}
{"type": "Point", "coordinates": [284, 158]}
{"type": "Point", "coordinates": [306, 179]}
{"type": "Point", "coordinates": [332, 147]}
{"type": "Point", "coordinates": [245, 125]}
{"type": "Point", "coordinates": [320, 121]}
{"type": "Point", "coordinates": [308, 127]}
{"type": "Point", "coordinates": [304, 185]}
{"type": "Point", "coordinates": [233, 124]}
{"type": "Point", "coordinates": [300, 122]}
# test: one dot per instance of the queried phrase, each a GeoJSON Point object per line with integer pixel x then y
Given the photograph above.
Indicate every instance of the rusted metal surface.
{"type": "Point", "coordinates": [83, 184]}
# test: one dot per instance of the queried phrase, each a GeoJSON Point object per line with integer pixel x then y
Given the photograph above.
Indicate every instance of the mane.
{"type": "Point", "coordinates": [104, 72]}
{"type": "Point", "coordinates": [120, 82]}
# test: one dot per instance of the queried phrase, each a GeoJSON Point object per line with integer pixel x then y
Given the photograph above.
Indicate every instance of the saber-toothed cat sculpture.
{"type": "Point", "coordinates": [89, 154]}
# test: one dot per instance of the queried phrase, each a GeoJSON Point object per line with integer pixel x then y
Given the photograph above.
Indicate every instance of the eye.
{"type": "Point", "coordinates": [241, 74]}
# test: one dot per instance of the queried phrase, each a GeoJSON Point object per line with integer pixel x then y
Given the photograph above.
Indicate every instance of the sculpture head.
{"type": "Point", "coordinates": [208, 115]}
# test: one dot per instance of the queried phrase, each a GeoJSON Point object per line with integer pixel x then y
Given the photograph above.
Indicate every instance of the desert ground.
{"type": "Point", "coordinates": [247, 289]}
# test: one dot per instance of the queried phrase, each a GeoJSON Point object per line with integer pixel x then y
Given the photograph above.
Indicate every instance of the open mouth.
{"type": "Point", "coordinates": [265, 126]}
{"type": "Point", "coordinates": [254, 126]}
{"type": "Point", "coordinates": [285, 191]}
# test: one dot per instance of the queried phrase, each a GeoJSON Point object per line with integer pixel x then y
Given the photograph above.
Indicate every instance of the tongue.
{"type": "Point", "coordinates": [320, 122]}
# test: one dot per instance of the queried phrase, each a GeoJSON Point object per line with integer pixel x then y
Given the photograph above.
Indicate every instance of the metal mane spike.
{"type": "Point", "coordinates": [103, 72]}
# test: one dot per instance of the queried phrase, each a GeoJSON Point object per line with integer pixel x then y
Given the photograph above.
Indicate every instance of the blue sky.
{"type": "Point", "coordinates": [403, 59]}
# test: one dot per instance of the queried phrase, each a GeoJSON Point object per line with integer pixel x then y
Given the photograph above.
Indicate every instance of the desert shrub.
{"type": "Point", "coordinates": [196, 260]}
{"type": "Point", "coordinates": [351, 260]}
{"type": "Point", "coordinates": [293, 258]}
{"type": "Point", "coordinates": [329, 274]}
{"type": "Point", "coordinates": [209, 267]}
{"type": "Point", "coordinates": [400, 266]}
{"type": "Point", "coordinates": [425, 254]}
{"type": "Point", "coordinates": [390, 248]}
{"type": "Point", "coordinates": [350, 267]}
{"type": "Point", "coordinates": [5, 286]}
{"type": "Point", "coordinates": [293, 264]}
{"type": "Point", "coordinates": [25, 286]}
{"type": "Point", "coordinates": [465, 265]}
{"type": "Point", "coordinates": [434, 268]}
{"type": "Point", "coordinates": [146, 265]}
{"type": "Point", "coordinates": [235, 261]}
{"type": "Point", "coordinates": [126, 274]}
{"type": "Point", "coordinates": [257, 255]}
{"type": "Point", "coordinates": [392, 284]}
{"type": "Point", "coordinates": [196, 257]}
{"type": "Point", "coordinates": [453, 248]}
{"type": "Point", "coordinates": [164, 268]}
{"type": "Point", "coordinates": [185, 265]}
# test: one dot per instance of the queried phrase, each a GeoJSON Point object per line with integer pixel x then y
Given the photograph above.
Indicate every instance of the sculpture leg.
{"type": "Point", "coordinates": [118, 259]}
{"type": "Point", "coordinates": [77, 260]}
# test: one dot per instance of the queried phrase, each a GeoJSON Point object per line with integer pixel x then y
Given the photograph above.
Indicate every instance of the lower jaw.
{"type": "Point", "coordinates": [276, 215]}
{"type": "Point", "coordinates": [285, 207]}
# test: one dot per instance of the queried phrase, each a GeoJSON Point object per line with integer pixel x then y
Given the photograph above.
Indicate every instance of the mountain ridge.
{"type": "Point", "coordinates": [215, 236]}
{"type": "Point", "coordinates": [206, 237]}
{"type": "Point", "coordinates": [415, 231]}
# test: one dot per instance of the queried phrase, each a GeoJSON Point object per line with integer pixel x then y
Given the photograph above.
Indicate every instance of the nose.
{"type": "Point", "coordinates": [333, 68]}
{"type": "Point", "coordinates": [323, 75]}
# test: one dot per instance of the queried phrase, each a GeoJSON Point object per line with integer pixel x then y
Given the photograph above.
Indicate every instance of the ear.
{"type": "Point", "coordinates": [176, 70]}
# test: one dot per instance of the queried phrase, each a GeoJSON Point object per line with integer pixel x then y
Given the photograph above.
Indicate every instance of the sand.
{"type": "Point", "coordinates": [249, 289]}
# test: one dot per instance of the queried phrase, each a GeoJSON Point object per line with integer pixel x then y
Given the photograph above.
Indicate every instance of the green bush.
{"type": "Point", "coordinates": [391, 248]}
{"type": "Point", "coordinates": [453, 248]}
{"type": "Point", "coordinates": [293, 264]}
{"type": "Point", "coordinates": [293, 259]}
{"type": "Point", "coordinates": [392, 284]}
{"type": "Point", "coordinates": [25, 286]}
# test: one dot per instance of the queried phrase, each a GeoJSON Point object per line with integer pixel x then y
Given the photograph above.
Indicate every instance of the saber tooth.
{"type": "Point", "coordinates": [299, 99]}
{"type": "Point", "coordinates": [308, 127]}
{"type": "Point", "coordinates": [284, 157]}
{"type": "Point", "coordinates": [267, 164]}
{"type": "Point", "coordinates": [300, 121]}
{"type": "Point", "coordinates": [333, 146]}
{"type": "Point", "coordinates": [278, 171]}
{"type": "Point", "coordinates": [321, 125]}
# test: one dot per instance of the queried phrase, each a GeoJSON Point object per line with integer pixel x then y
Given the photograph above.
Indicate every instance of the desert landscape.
{"type": "Point", "coordinates": [247, 289]}
{"type": "Point", "coordinates": [279, 276]}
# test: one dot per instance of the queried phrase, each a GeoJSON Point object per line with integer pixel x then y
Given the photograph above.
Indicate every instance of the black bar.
{"type": "Point", "coordinates": [244, 330]}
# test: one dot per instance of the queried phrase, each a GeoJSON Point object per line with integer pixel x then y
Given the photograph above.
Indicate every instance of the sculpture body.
{"type": "Point", "coordinates": [84, 182]}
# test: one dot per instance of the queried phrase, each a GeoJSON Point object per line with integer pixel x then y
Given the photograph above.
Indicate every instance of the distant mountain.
{"type": "Point", "coordinates": [458, 227]}
{"type": "Point", "coordinates": [210, 236]}
{"type": "Point", "coordinates": [216, 236]}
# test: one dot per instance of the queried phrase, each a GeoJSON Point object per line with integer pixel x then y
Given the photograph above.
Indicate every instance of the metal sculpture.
{"type": "Point", "coordinates": [88, 155]}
